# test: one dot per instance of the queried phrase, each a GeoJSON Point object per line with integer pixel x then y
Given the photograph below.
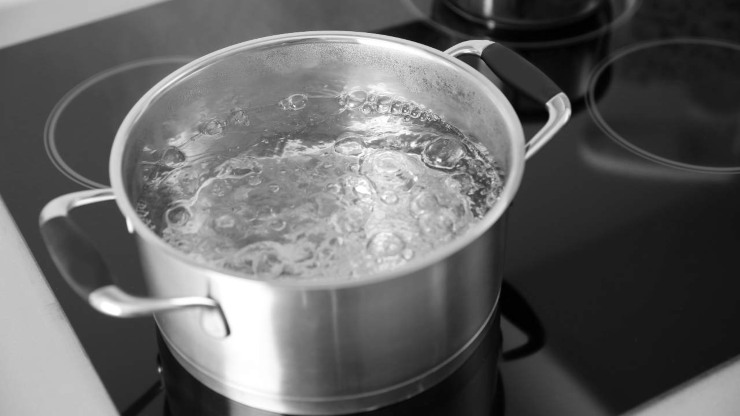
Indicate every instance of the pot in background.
{"type": "Point", "coordinates": [525, 14]}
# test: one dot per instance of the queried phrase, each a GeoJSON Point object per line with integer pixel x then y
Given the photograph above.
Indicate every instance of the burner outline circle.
{"type": "Point", "coordinates": [592, 102]}
{"type": "Point", "coordinates": [50, 145]}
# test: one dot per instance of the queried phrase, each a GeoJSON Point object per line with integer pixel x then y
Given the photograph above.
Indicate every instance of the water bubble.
{"type": "Point", "coordinates": [326, 203]}
{"type": "Point", "coordinates": [407, 254]}
{"type": "Point", "coordinates": [443, 153]}
{"type": "Point", "coordinates": [436, 224]}
{"type": "Point", "coordinates": [389, 197]}
{"type": "Point", "coordinates": [224, 222]}
{"type": "Point", "coordinates": [349, 221]}
{"type": "Point", "coordinates": [328, 248]}
{"type": "Point", "coordinates": [491, 198]}
{"type": "Point", "coordinates": [183, 181]}
{"type": "Point", "coordinates": [178, 216]}
{"type": "Point", "coordinates": [264, 211]}
{"type": "Point", "coordinates": [356, 98]}
{"type": "Point", "coordinates": [254, 179]}
{"type": "Point", "coordinates": [219, 187]}
{"type": "Point", "coordinates": [262, 259]}
{"type": "Point", "coordinates": [181, 243]}
{"type": "Point", "coordinates": [415, 112]}
{"type": "Point", "coordinates": [277, 224]}
{"type": "Point", "coordinates": [238, 167]}
{"type": "Point", "coordinates": [245, 212]}
{"type": "Point", "coordinates": [334, 188]}
{"type": "Point", "coordinates": [142, 209]}
{"type": "Point", "coordinates": [304, 250]}
{"type": "Point", "coordinates": [424, 202]}
{"type": "Point", "coordinates": [349, 146]}
{"type": "Point", "coordinates": [295, 102]}
{"type": "Point", "coordinates": [212, 127]}
{"type": "Point", "coordinates": [397, 142]}
{"type": "Point", "coordinates": [181, 138]}
{"type": "Point", "coordinates": [397, 107]}
{"type": "Point", "coordinates": [212, 250]}
{"type": "Point", "coordinates": [148, 173]}
{"type": "Point", "coordinates": [461, 182]}
{"type": "Point", "coordinates": [342, 100]}
{"type": "Point", "coordinates": [456, 207]}
{"type": "Point", "coordinates": [238, 117]}
{"type": "Point", "coordinates": [384, 104]}
{"type": "Point", "coordinates": [300, 257]}
{"type": "Point", "coordinates": [361, 187]}
{"type": "Point", "coordinates": [389, 169]}
{"type": "Point", "coordinates": [385, 244]}
{"type": "Point", "coordinates": [268, 265]}
{"type": "Point", "coordinates": [388, 163]}
{"type": "Point", "coordinates": [172, 156]}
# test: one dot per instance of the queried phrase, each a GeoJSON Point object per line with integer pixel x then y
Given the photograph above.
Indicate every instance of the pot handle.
{"type": "Point", "coordinates": [527, 78]}
{"type": "Point", "coordinates": [86, 272]}
{"type": "Point", "coordinates": [517, 310]}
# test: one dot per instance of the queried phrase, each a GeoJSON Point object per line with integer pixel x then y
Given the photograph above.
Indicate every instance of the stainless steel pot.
{"type": "Point", "coordinates": [525, 15]}
{"type": "Point", "coordinates": [315, 347]}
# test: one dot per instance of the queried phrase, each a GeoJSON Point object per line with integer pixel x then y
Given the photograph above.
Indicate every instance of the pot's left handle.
{"type": "Point", "coordinates": [527, 78]}
{"type": "Point", "coordinates": [86, 272]}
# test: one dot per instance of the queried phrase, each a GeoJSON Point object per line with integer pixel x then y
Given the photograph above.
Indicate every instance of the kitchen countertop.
{"type": "Point", "coordinates": [44, 369]}
{"type": "Point", "coordinates": [714, 393]}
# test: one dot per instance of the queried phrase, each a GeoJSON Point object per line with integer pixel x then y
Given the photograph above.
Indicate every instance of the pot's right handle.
{"type": "Point", "coordinates": [517, 310]}
{"type": "Point", "coordinates": [84, 269]}
{"type": "Point", "coordinates": [527, 78]}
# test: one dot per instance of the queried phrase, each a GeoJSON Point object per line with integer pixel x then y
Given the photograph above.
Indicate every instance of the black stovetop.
{"type": "Point", "coordinates": [622, 239]}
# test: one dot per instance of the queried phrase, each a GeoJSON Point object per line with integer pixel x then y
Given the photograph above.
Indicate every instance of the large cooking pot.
{"type": "Point", "coordinates": [327, 346]}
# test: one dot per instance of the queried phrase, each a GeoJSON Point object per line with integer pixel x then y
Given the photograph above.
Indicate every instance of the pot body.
{"type": "Point", "coordinates": [468, 391]}
{"type": "Point", "coordinates": [331, 351]}
{"type": "Point", "coordinates": [333, 347]}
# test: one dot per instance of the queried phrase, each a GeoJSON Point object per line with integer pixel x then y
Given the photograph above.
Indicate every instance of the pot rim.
{"type": "Point", "coordinates": [511, 180]}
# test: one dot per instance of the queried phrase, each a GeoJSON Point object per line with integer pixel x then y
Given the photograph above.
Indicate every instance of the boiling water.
{"type": "Point", "coordinates": [319, 187]}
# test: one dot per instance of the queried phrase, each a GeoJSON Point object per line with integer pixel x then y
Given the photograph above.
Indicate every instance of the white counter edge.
{"type": "Point", "coordinates": [714, 393]}
{"type": "Point", "coordinates": [43, 367]}
{"type": "Point", "coordinates": [24, 20]}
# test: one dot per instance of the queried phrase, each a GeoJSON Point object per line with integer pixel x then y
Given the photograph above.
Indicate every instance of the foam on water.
{"type": "Point", "coordinates": [319, 187]}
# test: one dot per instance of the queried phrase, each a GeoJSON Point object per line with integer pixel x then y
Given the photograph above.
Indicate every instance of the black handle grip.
{"type": "Point", "coordinates": [515, 308]}
{"type": "Point", "coordinates": [75, 256]}
{"type": "Point", "coordinates": [519, 73]}
{"type": "Point", "coordinates": [84, 269]}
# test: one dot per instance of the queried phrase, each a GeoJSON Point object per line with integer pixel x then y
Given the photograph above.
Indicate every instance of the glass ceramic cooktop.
{"type": "Point", "coordinates": [621, 243]}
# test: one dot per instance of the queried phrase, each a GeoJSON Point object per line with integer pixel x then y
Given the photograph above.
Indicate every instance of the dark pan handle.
{"type": "Point", "coordinates": [519, 73]}
{"type": "Point", "coordinates": [84, 269]}
{"type": "Point", "coordinates": [515, 309]}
